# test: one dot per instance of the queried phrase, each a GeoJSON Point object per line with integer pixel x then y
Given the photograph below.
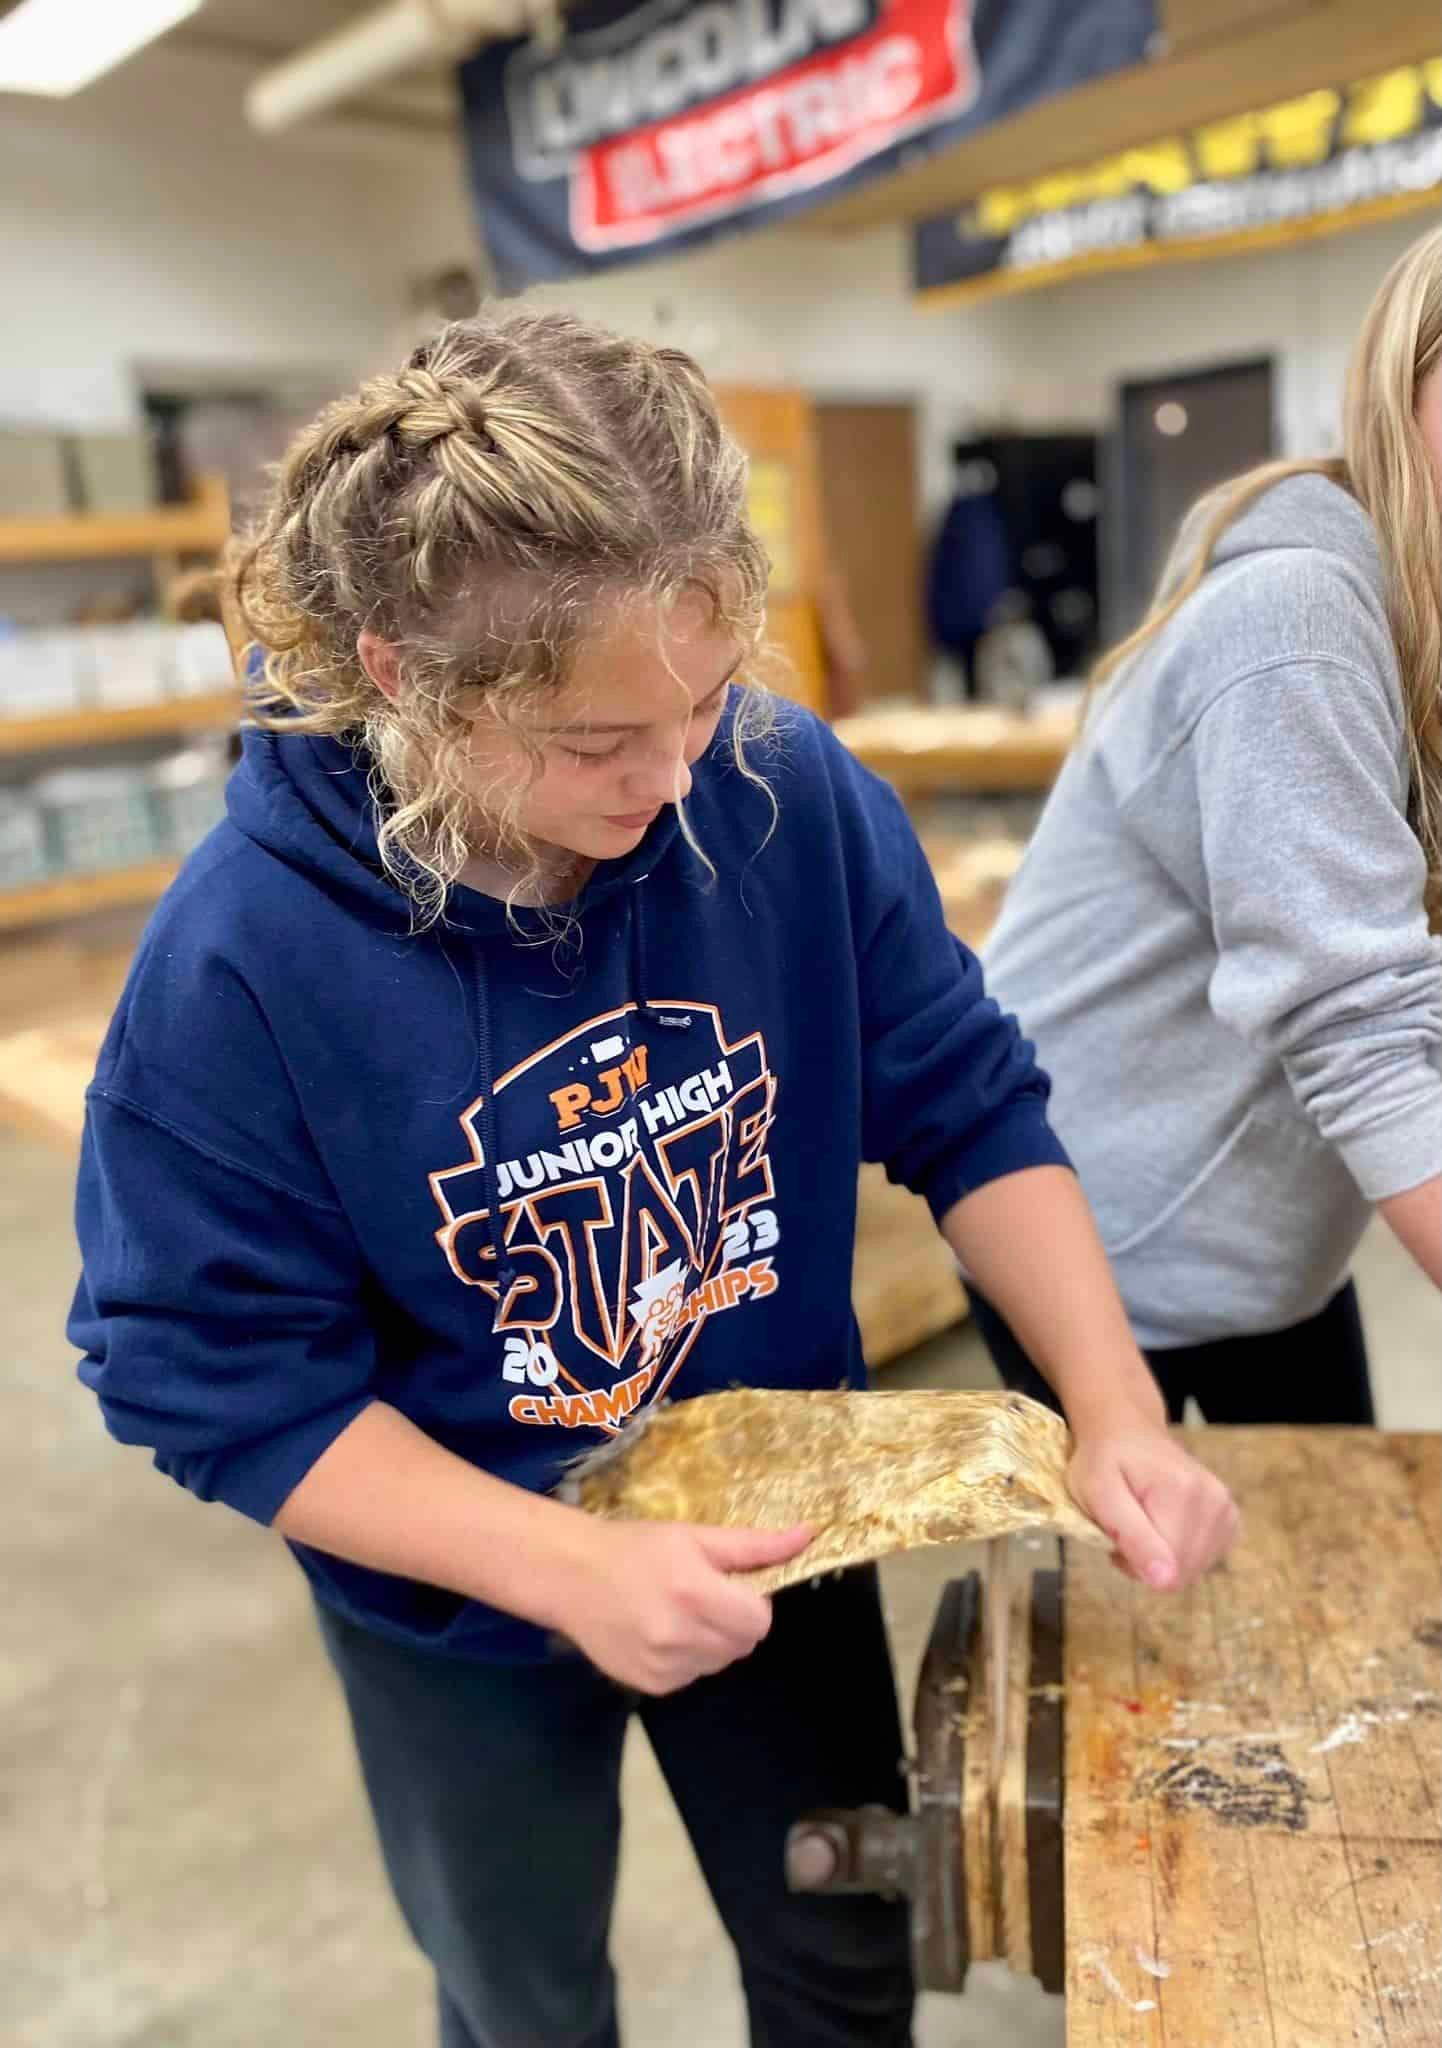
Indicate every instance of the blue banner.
{"type": "Point", "coordinates": [654, 127]}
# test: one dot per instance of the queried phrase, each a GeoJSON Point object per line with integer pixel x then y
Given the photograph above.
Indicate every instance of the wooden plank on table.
{"type": "Point", "coordinates": [1266, 1788]}
{"type": "Point", "coordinates": [1400, 1897]}
{"type": "Point", "coordinates": [1232, 1772]}
{"type": "Point", "coordinates": [1018, 1939]}
{"type": "Point", "coordinates": [1210, 1946]}
{"type": "Point", "coordinates": [1318, 1986]}
{"type": "Point", "coordinates": [1418, 1457]}
{"type": "Point", "coordinates": [1111, 1908]}
{"type": "Point", "coordinates": [979, 1850]}
{"type": "Point", "coordinates": [1175, 1932]}
{"type": "Point", "coordinates": [1371, 1679]}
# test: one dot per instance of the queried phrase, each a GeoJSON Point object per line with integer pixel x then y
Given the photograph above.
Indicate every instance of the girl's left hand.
{"type": "Point", "coordinates": [1170, 1520]}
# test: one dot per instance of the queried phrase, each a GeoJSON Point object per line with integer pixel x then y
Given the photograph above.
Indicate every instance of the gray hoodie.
{"type": "Point", "coordinates": [1217, 937]}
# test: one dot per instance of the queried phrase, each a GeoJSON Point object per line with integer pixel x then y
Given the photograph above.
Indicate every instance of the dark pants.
{"type": "Point", "coordinates": [1314, 1372]}
{"type": "Point", "coordinates": [495, 1793]}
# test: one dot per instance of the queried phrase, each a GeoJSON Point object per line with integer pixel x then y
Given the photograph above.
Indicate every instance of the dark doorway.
{"type": "Point", "coordinates": [1175, 438]}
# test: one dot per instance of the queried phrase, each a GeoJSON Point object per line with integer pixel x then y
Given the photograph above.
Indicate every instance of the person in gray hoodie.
{"type": "Point", "coordinates": [1224, 935]}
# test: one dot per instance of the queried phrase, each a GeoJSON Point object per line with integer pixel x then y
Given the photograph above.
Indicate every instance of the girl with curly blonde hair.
{"type": "Point", "coordinates": [503, 1065]}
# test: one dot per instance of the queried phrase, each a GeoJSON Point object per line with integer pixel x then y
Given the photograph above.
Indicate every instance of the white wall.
{"type": "Point", "coordinates": [837, 317]}
{"type": "Point", "coordinates": [142, 220]}
{"type": "Point", "coordinates": [1301, 305]}
{"type": "Point", "coordinates": [832, 316]}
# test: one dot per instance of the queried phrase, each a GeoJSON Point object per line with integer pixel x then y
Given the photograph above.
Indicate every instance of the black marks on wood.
{"type": "Point", "coordinates": [1255, 1787]}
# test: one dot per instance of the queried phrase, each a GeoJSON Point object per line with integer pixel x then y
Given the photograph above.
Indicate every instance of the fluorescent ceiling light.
{"type": "Point", "coordinates": [56, 46]}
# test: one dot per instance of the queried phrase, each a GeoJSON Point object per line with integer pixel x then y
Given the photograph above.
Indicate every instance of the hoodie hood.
{"type": "Point", "coordinates": [1301, 514]}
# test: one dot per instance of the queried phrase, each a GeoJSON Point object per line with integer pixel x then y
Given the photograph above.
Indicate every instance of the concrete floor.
{"type": "Point", "coordinates": [192, 1862]}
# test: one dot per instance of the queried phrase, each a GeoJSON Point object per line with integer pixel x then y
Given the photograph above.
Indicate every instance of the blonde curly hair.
{"type": "Point", "coordinates": [480, 510]}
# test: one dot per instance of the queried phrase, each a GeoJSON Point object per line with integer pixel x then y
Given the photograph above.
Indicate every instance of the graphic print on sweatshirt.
{"type": "Point", "coordinates": [636, 1199]}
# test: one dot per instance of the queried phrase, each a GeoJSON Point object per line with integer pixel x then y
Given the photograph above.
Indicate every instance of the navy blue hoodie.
{"type": "Point", "coordinates": [518, 1189]}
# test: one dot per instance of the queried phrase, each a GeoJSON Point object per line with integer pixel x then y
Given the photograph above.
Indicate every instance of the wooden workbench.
{"type": "Point", "coordinates": [929, 750]}
{"type": "Point", "coordinates": [1253, 1772]}
{"type": "Point", "coordinates": [1212, 1819]}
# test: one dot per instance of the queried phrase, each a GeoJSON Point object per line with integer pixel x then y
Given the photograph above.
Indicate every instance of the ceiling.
{"type": "Point", "coordinates": [1218, 56]}
{"type": "Point", "coordinates": [259, 33]}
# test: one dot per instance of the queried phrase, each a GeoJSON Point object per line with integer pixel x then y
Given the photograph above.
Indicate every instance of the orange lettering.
{"type": "Point", "coordinates": [611, 1405]}
{"type": "Point", "coordinates": [614, 1404]}
{"type": "Point", "coordinates": [615, 1095]}
{"type": "Point", "coordinates": [568, 1104]}
{"type": "Point", "coordinates": [574, 1411]}
{"type": "Point", "coordinates": [763, 1280]}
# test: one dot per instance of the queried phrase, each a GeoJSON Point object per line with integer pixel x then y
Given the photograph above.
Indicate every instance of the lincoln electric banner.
{"type": "Point", "coordinates": [650, 128]}
{"type": "Point", "coordinates": [1329, 160]}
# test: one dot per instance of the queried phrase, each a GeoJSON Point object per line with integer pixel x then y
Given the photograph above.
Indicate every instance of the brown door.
{"type": "Point", "coordinates": [873, 529]}
{"type": "Point", "coordinates": [777, 429]}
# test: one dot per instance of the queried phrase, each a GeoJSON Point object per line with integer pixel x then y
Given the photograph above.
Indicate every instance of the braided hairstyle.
{"type": "Point", "coordinates": [480, 510]}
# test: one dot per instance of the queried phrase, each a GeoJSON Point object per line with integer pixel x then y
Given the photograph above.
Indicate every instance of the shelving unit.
{"type": "Point", "coordinates": [164, 533]}
{"type": "Point", "coordinates": [163, 536]}
{"type": "Point", "coordinates": [61, 896]}
{"type": "Point", "coordinates": [78, 729]}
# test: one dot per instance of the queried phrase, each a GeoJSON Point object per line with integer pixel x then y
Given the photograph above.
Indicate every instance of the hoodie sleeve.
{"type": "Point", "coordinates": [220, 1310]}
{"type": "Point", "coordinates": [1314, 887]}
{"type": "Point", "coordinates": [952, 1096]}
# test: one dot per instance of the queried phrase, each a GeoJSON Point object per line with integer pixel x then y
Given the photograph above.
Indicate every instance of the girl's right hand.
{"type": "Point", "coordinates": [660, 1605]}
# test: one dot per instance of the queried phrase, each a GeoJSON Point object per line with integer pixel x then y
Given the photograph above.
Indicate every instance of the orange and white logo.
{"type": "Point", "coordinates": [636, 1201]}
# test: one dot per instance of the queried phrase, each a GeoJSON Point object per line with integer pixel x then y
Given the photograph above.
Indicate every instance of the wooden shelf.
{"type": "Point", "coordinates": [931, 752]}
{"type": "Point", "coordinates": [199, 528]}
{"type": "Point", "coordinates": [101, 728]}
{"type": "Point", "coordinates": [76, 895]}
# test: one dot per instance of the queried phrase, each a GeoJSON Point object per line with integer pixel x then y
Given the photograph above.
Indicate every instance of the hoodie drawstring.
{"type": "Point", "coordinates": [678, 1020]}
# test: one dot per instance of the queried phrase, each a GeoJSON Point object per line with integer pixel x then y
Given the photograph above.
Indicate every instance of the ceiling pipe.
{"type": "Point", "coordinates": [391, 39]}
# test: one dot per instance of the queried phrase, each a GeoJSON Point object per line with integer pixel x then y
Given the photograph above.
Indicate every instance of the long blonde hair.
{"type": "Point", "coordinates": [1386, 466]}
{"type": "Point", "coordinates": [480, 509]}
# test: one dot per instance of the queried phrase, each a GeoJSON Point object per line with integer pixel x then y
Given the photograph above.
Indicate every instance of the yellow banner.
{"type": "Point", "coordinates": [1315, 165]}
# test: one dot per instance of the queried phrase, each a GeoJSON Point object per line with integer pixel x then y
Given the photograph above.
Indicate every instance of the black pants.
{"type": "Point", "coordinates": [495, 1793]}
{"type": "Point", "coordinates": [1314, 1372]}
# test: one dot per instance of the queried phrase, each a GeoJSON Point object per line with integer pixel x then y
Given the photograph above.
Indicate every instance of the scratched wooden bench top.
{"type": "Point", "coordinates": [1254, 1771]}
